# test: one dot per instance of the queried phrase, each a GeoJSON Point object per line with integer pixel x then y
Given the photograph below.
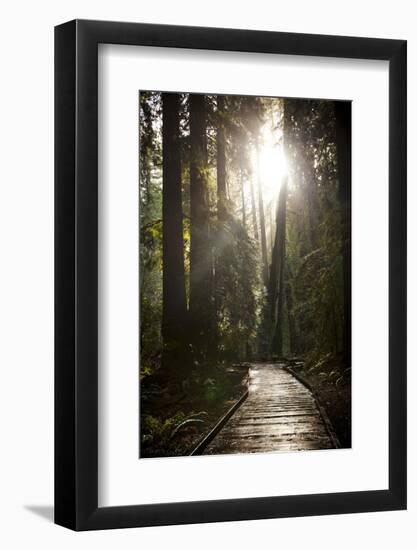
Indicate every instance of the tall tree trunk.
{"type": "Point", "coordinates": [200, 249]}
{"type": "Point", "coordinates": [276, 285]}
{"type": "Point", "coordinates": [146, 142]}
{"type": "Point", "coordinates": [242, 189]}
{"type": "Point", "coordinates": [343, 114]}
{"type": "Point", "coordinates": [221, 161]}
{"type": "Point", "coordinates": [343, 111]}
{"type": "Point", "coordinates": [277, 338]}
{"type": "Point", "coordinates": [254, 217]}
{"type": "Point", "coordinates": [262, 223]}
{"type": "Point", "coordinates": [312, 203]}
{"type": "Point", "coordinates": [290, 312]}
{"type": "Point", "coordinates": [277, 280]}
{"type": "Point", "coordinates": [278, 251]}
{"type": "Point", "coordinates": [218, 248]}
{"type": "Point", "coordinates": [174, 310]}
{"type": "Point", "coordinates": [271, 229]}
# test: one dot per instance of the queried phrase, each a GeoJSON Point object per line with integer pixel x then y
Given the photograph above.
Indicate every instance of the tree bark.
{"type": "Point", "coordinates": [278, 250]}
{"type": "Point", "coordinates": [174, 310]}
{"type": "Point", "coordinates": [218, 252]}
{"type": "Point", "coordinates": [343, 139]}
{"type": "Point", "coordinates": [312, 203]}
{"type": "Point", "coordinates": [271, 229]}
{"type": "Point", "coordinates": [262, 224]}
{"type": "Point", "coordinates": [200, 249]}
{"type": "Point", "coordinates": [254, 217]}
{"type": "Point", "coordinates": [242, 188]}
{"type": "Point", "coordinates": [291, 319]}
{"type": "Point", "coordinates": [276, 280]}
{"type": "Point", "coordinates": [343, 112]}
{"type": "Point", "coordinates": [221, 161]}
{"type": "Point", "coordinates": [277, 339]}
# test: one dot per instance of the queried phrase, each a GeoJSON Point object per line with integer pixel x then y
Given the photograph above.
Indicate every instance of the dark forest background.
{"type": "Point", "coordinates": [244, 254]}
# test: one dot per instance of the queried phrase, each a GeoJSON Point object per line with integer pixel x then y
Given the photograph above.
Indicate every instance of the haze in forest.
{"type": "Point", "coordinates": [244, 254]}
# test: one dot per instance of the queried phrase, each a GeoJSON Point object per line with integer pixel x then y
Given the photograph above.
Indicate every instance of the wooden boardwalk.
{"type": "Point", "coordinates": [279, 414]}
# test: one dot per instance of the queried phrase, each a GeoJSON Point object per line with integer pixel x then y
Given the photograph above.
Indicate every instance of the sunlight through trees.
{"type": "Point", "coordinates": [244, 235]}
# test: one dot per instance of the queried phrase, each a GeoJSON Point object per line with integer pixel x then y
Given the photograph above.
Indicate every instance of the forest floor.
{"type": "Point", "coordinates": [334, 395]}
{"type": "Point", "coordinates": [174, 421]}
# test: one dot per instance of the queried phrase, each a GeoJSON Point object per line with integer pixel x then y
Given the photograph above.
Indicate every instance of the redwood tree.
{"type": "Point", "coordinates": [343, 111]}
{"type": "Point", "coordinates": [174, 312]}
{"type": "Point", "coordinates": [262, 222]}
{"type": "Point", "coordinates": [200, 249]}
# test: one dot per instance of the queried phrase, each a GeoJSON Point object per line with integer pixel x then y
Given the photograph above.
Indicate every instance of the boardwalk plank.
{"type": "Point", "coordinates": [280, 414]}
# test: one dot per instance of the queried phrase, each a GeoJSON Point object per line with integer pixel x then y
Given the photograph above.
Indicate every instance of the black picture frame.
{"type": "Point", "coordinates": [76, 271]}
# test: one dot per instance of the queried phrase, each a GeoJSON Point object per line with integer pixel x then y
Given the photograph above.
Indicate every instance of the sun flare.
{"type": "Point", "coordinates": [271, 166]}
{"type": "Point", "coordinates": [272, 170]}
{"type": "Point", "coordinates": [244, 248]}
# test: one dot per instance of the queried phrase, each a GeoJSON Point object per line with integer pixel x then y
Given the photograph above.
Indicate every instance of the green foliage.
{"type": "Point", "coordinates": [150, 242]}
{"type": "Point", "coordinates": [312, 322]}
{"type": "Point", "coordinates": [161, 434]}
{"type": "Point", "coordinates": [315, 236]}
{"type": "Point", "coordinates": [237, 294]}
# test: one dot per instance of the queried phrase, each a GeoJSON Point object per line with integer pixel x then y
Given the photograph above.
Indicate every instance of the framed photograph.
{"type": "Point", "coordinates": [230, 254]}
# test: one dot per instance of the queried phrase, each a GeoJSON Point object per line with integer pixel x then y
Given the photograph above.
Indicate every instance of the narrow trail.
{"type": "Point", "coordinates": [279, 414]}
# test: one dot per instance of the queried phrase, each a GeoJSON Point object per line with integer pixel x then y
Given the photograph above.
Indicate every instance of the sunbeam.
{"type": "Point", "coordinates": [270, 164]}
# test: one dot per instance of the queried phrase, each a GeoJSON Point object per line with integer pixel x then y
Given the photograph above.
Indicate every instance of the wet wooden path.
{"type": "Point", "coordinates": [279, 414]}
